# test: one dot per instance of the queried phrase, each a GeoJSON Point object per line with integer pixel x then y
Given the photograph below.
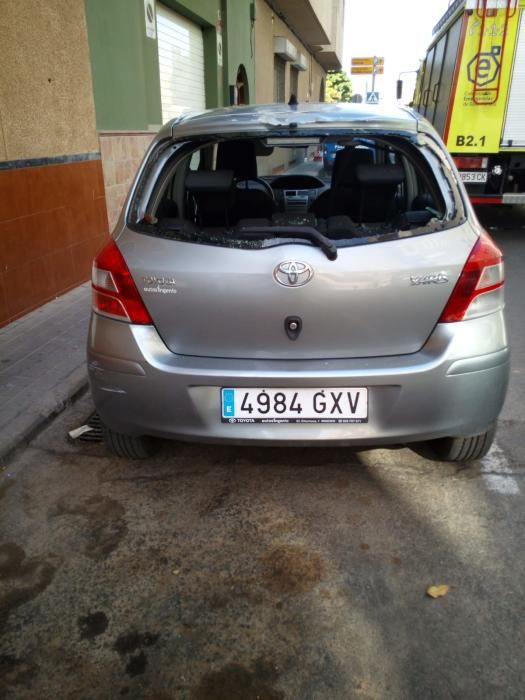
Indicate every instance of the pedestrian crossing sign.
{"type": "Point", "coordinates": [372, 98]}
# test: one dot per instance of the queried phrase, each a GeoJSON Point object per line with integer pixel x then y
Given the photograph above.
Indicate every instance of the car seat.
{"type": "Point", "coordinates": [252, 199]}
{"type": "Point", "coordinates": [337, 200]}
{"type": "Point", "coordinates": [212, 194]}
{"type": "Point", "coordinates": [376, 188]}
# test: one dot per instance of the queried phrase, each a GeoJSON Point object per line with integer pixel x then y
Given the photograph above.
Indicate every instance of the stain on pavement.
{"type": "Point", "coordinates": [291, 569]}
{"type": "Point", "coordinates": [15, 671]}
{"type": "Point", "coordinates": [21, 579]}
{"type": "Point", "coordinates": [92, 625]}
{"type": "Point", "coordinates": [216, 502]}
{"type": "Point", "coordinates": [106, 524]}
{"type": "Point", "coordinates": [236, 682]}
{"type": "Point", "coordinates": [137, 664]}
{"type": "Point", "coordinates": [127, 643]}
{"type": "Point", "coordinates": [131, 642]}
{"type": "Point", "coordinates": [4, 488]}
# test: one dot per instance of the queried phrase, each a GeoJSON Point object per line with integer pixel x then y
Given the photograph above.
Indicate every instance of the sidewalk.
{"type": "Point", "coordinates": [42, 366]}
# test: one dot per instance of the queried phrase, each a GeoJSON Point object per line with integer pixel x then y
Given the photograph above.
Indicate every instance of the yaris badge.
{"type": "Point", "coordinates": [293, 273]}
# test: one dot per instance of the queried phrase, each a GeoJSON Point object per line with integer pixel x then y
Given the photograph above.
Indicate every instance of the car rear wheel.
{"type": "Point", "coordinates": [463, 449]}
{"type": "Point", "coordinates": [128, 446]}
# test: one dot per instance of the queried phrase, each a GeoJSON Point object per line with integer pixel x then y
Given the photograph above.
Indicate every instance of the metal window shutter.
{"type": "Point", "coordinates": [181, 64]}
{"type": "Point", "coordinates": [514, 129]}
{"type": "Point", "coordinates": [279, 68]}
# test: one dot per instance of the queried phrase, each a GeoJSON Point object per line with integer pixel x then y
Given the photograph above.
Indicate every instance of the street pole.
{"type": "Point", "coordinates": [374, 70]}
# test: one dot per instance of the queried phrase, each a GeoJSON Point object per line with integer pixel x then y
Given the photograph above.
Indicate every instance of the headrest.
{"type": "Point", "coordinates": [379, 174]}
{"type": "Point", "coordinates": [238, 156]}
{"type": "Point", "coordinates": [346, 162]}
{"type": "Point", "coordinates": [210, 181]}
{"type": "Point", "coordinates": [261, 149]}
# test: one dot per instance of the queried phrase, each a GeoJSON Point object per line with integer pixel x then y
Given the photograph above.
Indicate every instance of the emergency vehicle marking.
{"type": "Point", "coordinates": [487, 67]}
{"type": "Point", "coordinates": [475, 126]}
{"type": "Point", "coordinates": [470, 140]}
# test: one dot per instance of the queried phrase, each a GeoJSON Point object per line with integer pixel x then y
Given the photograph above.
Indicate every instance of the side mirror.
{"type": "Point", "coordinates": [399, 89]}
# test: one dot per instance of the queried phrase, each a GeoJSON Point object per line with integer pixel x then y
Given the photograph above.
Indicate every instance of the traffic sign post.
{"type": "Point", "coordinates": [374, 72]}
{"type": "Point", "coordinates": [366, 70]}
{"type": "Point", "coordinates": [370, 65]}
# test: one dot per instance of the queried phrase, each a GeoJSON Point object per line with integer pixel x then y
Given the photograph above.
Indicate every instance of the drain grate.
{"type": "Point", "coordinates": [91, 431]}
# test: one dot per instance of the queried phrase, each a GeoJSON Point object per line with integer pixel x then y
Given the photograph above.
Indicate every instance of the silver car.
{"type": "Point", "coordinates": [249, 297]}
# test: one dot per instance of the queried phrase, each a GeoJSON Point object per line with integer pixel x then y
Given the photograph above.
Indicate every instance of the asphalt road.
{"type": "Point", "coordinates": [216, 573]}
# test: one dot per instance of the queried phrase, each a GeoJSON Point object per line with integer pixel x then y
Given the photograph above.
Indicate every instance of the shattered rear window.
{"type": "Point", "coordinates": [329, 191]}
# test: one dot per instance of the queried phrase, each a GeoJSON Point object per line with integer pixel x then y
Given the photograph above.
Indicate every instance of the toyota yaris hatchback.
{"type": "Point", "coordinates": [243, 299]}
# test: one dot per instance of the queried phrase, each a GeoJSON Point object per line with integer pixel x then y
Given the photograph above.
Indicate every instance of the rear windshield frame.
{"type": "Point", "coordinates": [422, 151]}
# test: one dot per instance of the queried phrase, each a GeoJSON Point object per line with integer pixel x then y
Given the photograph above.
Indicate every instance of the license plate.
{"type": "Point", "coordinates": [473, 175]}
{"type": "Point", "coordinates": [333, 405]}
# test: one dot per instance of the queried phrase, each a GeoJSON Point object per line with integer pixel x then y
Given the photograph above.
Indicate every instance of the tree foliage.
{"type": "Point", "coordinates": [338, 86]}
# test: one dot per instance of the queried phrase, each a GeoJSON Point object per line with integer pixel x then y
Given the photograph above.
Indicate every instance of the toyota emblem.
{"type": "Point", "coordinates": [293, 273]}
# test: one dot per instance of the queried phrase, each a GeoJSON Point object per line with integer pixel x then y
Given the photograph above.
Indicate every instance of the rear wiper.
{"type": "Point", "coordinates": [312, 234]}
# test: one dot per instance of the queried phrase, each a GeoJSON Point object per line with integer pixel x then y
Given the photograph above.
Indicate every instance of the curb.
{"type": "Point", "coordinates": [27, 425]}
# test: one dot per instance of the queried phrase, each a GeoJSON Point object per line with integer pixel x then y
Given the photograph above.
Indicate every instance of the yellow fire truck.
{"type": "Point", "coordinates": [471, 86]}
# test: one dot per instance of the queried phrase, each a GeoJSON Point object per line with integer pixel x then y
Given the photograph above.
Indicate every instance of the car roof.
{"type": "Point", "coordinates": [293, 119]}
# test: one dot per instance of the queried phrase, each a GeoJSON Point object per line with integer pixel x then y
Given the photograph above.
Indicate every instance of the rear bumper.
{"type": "Point", "coordinates": [140, 387]}
{"type": "Point", "coordinates": [506, 198]}
{"type": "Point", "coordinates": [513, 198]}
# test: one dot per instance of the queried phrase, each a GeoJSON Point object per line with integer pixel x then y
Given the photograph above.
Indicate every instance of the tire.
{"type": "Point", "coordinates": [128, 446]}
{"type": "Point", "coordinates": [463, 449]}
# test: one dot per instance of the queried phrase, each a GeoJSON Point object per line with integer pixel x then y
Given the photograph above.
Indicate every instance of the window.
{"type": "Point", "coordinates": [181, 63]}
{"type": "Point", "coordinates": [195, 160]}
{"type": "Point", "coordinates": [294, 82]}
{"type": "Point", "coordinates": [242, 96]}
{"type": "Point", "coordinates": [279, 67]}
{"type": "Point", "coordinates": [382, 187]}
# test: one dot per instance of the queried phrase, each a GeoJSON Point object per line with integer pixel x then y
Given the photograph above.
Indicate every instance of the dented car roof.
{"type": "Point", "coordinates": [294, 119]}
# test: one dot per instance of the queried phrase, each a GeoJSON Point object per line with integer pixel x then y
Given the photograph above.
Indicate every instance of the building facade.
{"type": "Point", "coordinates": [52, 205]}
{"type": "Point", "coordinates": [85, 86]}
{"type": "Point", "coordinates": [297, 42]}
{"type": "Point", "coordinates": [153, 60]}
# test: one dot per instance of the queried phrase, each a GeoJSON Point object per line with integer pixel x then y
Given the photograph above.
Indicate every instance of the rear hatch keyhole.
{"type": "Point", "coordinates": [293, 326]}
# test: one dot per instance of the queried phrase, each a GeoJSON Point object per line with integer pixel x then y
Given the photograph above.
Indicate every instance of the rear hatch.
{"type": "Point", "coordinates": [374, 300]}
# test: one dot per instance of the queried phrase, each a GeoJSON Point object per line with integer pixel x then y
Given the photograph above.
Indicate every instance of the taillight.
{"type": "Point", "coordinates": [114, 291]}
{"type": "Point", "coordinates": [471, 162]}
{"type": "Point", "coordinates": [479, 289]}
